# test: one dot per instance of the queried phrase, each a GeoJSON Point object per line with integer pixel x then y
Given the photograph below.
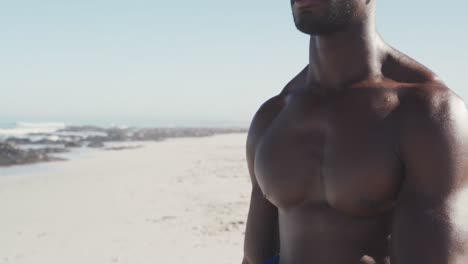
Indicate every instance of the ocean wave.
{"type": "Point", "coordinates": [22, 129]}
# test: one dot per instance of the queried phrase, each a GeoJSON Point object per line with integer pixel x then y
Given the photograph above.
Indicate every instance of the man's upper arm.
{"type": "Point", "coordinates": [261, 236]}
{"type": "Point", "coordinates": [433, 149]}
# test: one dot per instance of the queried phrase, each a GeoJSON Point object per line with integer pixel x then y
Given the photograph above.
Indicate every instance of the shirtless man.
{"type": "Point", "coordinates": [361, 158]}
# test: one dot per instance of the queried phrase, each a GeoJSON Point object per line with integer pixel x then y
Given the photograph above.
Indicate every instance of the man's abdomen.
{"type": "Point", "coordinates": [319, 234]}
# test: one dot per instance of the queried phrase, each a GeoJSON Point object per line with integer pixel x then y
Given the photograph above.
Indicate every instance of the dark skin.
{"type": "Point", "coordinates": [361, 158]}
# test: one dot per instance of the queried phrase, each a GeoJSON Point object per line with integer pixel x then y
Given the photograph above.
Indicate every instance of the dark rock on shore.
{"type": "Point", "coordinates": [47, 142]}
{"type": "Point", "coordinates": [49, 150]}
{"type": "Point", "coordinates": [82, 128]}
{"type": "Point", "coordinates": [12, 155]}
{"type": "Point", "coordinates": [162, 133]}
{"type": "Point", "coordinates": [146, 134]}
{"type": "Point", "coordinates": [72, 144]}
{"type": "Point", "coordinates": [93, 137]}
{"type": "Point", "coordinates": [96, 144]}
{"type": "Point", "coordinates": [18, 140]}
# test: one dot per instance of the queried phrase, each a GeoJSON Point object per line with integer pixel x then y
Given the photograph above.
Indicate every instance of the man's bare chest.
{"type": "Point", "coordinates": [340, 150]}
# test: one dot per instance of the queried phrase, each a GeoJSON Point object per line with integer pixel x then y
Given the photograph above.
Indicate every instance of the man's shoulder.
{"type": "Point", "coordinates": [421, 89]}
{"type": "Point", "coordinates": [269, 109]}
{"type": "Point", "coordinates": [262, 119]}
{"type": "Point", "coordinates": [432, 113]}
{"type": "Point", "coordinates": [430, 100]}
{"type": "Point", "coordinates": [297, 82]}
{"type": "Point", "coordinates": [267, 112]}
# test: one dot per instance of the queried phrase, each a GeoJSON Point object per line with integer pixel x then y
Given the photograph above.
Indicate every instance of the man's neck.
{"type": "Point", "coordinates": [346, 57]}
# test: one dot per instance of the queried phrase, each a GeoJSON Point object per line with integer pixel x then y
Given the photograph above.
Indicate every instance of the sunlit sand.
{"type": "Point", "coordinates": [176, 201]}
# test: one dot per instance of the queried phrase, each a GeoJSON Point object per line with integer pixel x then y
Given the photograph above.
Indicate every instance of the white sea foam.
{"type": "Point", "coordinates": [23, 129]}
{"type": "Point", "coordinates": [83, 134]}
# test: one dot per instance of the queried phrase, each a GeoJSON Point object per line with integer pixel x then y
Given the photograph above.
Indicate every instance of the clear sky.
{"type": "Point", "coordinates": [153, 61]}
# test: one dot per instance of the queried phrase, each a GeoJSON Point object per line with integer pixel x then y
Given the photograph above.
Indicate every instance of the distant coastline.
{"type": "Point", "coordinates": [26, 143]}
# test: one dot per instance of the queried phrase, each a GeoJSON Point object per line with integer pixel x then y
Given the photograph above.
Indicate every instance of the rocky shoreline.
{"type": "Point", "coordinates": [11, 154]}
{"type": "Point", "coordinates": [41, 147]}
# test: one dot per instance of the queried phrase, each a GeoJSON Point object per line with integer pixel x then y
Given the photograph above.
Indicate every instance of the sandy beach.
{"type": "Point", "coordinates": [176, 201]}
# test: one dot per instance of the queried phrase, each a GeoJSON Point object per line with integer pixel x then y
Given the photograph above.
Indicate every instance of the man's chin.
{"type": "Point", "coordinates": [308, 31]}
{"type": "Point", "coordinates": [315, 29]}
